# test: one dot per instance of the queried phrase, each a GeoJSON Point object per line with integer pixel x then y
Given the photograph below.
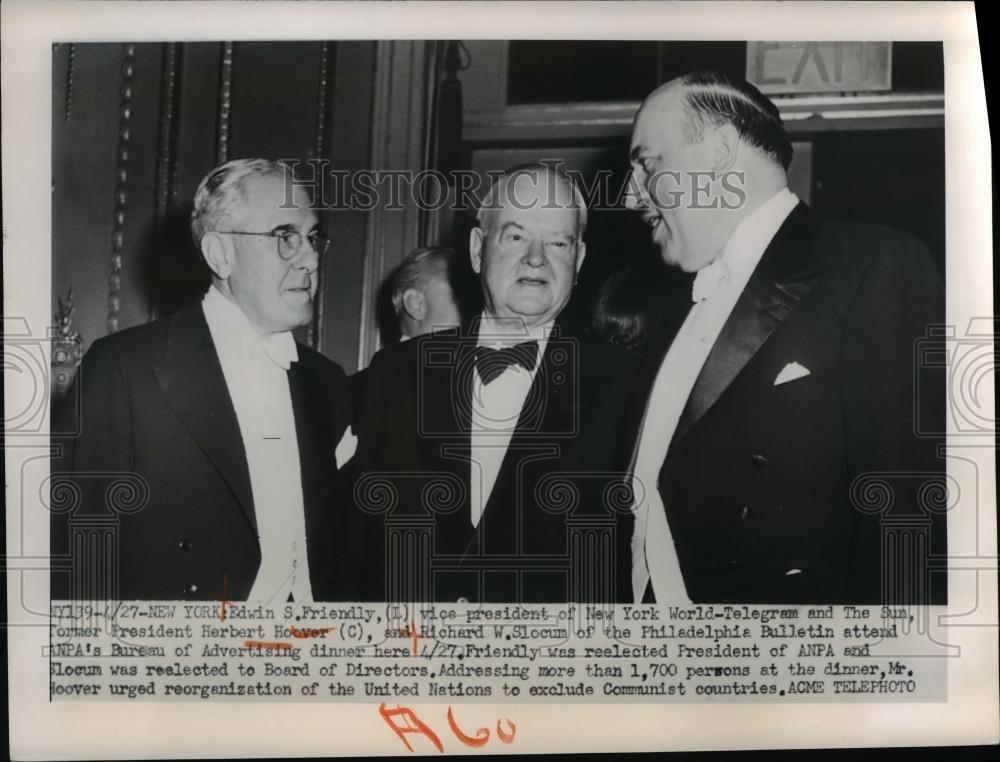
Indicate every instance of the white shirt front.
{"type": "Point", "coordinates": [256, 373]}
{"type": "Point", "coordinates": [497, 406]}
{"type": "Point", "coordinates": [718, 286]}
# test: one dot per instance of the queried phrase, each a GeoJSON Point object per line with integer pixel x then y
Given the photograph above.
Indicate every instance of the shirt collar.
{"type": "Point", "coordinates": [751, 237]}
{"type": "Point", "coordinates": [231, 328]}
{"type": "Point", "coordinates": [493, 331]}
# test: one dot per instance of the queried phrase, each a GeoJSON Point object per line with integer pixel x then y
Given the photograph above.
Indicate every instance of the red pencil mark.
{"type": "Point", "coordinates": [504, 736]}
{"type": "Point", "coordinates": [268, 644]}
{"type": "Point", "coordinates": [411, 632]}
{"type": "Point", "coordinates": [480, 739]}
{"type": "Point", "coordinates": [413, 724]}
{"type": "Point", "coordinates": [309, 632]}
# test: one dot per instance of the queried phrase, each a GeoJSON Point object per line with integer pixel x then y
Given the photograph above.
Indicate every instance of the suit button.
{"type": "Point", "coordinates": [190, 588]}
{"type": "Point", "coordinates": [186, 545]}
{"type": "Point", "coordinates": [463, 599]}
{"type": "Point", "coordinates": [733, 566]}
{"type": "Point", "coordinates": [759, 460]}
{"type": "Point", "coordinates": [744, 512]}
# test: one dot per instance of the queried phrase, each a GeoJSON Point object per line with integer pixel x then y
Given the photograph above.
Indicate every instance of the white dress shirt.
{"type": "Point", "coordinates": [256, 373]}
{"type": "Point", "coordinates": [496, 406]}
{"type": "Point", "coordinates": [717, 287]}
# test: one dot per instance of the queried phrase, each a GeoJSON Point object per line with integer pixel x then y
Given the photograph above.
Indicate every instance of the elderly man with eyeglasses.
{"type": "Point", "coordinates": [225, 427]}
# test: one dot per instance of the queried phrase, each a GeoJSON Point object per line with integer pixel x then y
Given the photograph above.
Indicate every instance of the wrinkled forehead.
{"type": "Point", "coordinates": [538, 200]}
{"type": "Point", "coordinates": [272, 201]}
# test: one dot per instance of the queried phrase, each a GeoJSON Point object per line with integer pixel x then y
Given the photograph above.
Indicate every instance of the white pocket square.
{"type": "Point", "coordinates": [345, 450]}
{"type": "Point", "coordinates": [791, 372]}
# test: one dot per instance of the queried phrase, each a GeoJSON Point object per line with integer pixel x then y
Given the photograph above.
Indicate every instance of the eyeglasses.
{"type": "Point", "coordinates": [289, 241]}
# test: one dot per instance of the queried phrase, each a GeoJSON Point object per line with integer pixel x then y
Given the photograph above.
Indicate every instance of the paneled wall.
{"type": "Point", "coordinates": [135, 128]}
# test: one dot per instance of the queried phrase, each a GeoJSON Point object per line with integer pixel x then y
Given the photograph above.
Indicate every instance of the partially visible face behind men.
{"type": "Point", "coordinates": [663, 163]}
{"type": "Point", "coordinates": [528, 259]}
{"type": "Point", "coordinates": [441, 309]}
{"type": "Point", "coordinates": [275, 294]}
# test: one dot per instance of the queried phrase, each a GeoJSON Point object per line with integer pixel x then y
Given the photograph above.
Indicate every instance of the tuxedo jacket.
{"type": "Point", "coordinates": [551, 528]}
{"type": "Point", "coordinates": [826, 488]}
{"type": "Point", "coordinates": [150, 488]}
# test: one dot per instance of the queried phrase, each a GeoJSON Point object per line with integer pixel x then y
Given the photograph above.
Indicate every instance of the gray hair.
{"type": "Point", "coordinates": [415, 270]}
{"type": "Point", "coordinates": [224, 188]}
{"type": "Point", "coordinates": [499, 191]}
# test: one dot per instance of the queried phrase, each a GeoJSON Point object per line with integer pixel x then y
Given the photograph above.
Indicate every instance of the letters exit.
{"type": "Point", "coordinates": [819, 67]}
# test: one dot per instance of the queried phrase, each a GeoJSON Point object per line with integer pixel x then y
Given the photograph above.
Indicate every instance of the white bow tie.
{"type": "Point", "coordinates": [280, 347]}
{"type": "Point", "coordinates": [707, 281]}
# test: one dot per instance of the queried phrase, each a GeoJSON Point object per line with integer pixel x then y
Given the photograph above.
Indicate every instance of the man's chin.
{"type": "Point", "coordinates": [531, 314]}
{"type": "Point", "coordinates": [671, 256]}
{"type": "Point", "coordinates": [298, 317]}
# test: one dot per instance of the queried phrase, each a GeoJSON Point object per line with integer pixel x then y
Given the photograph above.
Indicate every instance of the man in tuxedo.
{"type": "Point", "coordinates": [203, 467]}
{"type": "Point", "coordinates": [485, 469]}
{"type": "Point", "coordinates": [773, 431]}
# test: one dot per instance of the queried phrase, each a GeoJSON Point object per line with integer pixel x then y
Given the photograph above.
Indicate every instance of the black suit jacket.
{"type": "Point", "coordinates": [827, 488]}
{"type": "Point", "coordinates": [150, 486]}
{"type": "Point", "coordinates": [551, 527]}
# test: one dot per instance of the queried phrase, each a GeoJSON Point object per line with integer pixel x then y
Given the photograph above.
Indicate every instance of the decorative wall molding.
{"type": "Point", "coordinates": [225, 104]}
{"type": "Point", "coordinates": [121, 188]}
{"type": "Point", "coordinates": [166, 153]}
{"type": "Point", "coordinates": [70, 74]}
{"type": "Point", "coordinates": [314, 333]}
{"type": "Point", "coordinates": [512, 124]}
{"type": "Point", "coordinates": [67, 346]}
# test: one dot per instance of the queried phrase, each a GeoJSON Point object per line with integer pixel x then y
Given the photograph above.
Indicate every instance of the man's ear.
{"type": "Point", "coordinates": [476, 249]}
{"type": "Point", "coordinates": [581, 253]}
{"type": "Point", "coordinates": [218, 255]}
{"type": "Point", "coordinates": [414, 304]}
{"type": "Point", "coordinates": [726, 148]}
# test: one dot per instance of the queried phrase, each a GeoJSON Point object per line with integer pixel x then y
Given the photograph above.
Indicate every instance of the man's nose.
{"type": "Point", "coordinates": [535, 255]}
{"type": "Point", "coordinates": [635, 193]}
{"type": "Point", "coordinates": [308, 257]}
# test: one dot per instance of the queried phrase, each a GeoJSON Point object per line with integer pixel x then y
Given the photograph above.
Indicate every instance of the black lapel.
{"type": "Point", "coordinates": [443, 374]}
{"type": "Point", "coordinates": [781, 279]}
{"type": "Point", "coordinates": [317, 433]}
{"type": "Point", "coordinates": [191, 378]}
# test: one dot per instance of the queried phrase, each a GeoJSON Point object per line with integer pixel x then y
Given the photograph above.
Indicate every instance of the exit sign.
{"type": "Point", "coordinates": [819, 67]}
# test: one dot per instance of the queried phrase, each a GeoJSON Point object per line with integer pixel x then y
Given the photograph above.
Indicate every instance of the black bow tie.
{"type": "Point", "coordinates": [492, 362]}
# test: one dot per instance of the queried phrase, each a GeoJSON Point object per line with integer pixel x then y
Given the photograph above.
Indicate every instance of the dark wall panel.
{"type": "Point", "coordinates": [103, 179]}
{"type": "Point", "coordinates": [197, 115]}
{"type": "Point", "coordinates": [275, 95]}
{"type": "Point", "coordinates": [349, 146]}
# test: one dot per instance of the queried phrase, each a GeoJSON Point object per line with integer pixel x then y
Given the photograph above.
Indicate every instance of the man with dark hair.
{"type": "Point", "coordinates": [219, 427]}
{"type": "Point", "coordinates": [485, 467]}
{"type": "Point", "coordinates": [785, 388]}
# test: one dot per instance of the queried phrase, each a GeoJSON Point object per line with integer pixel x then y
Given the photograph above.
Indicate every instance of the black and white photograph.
{"type": "Point", "coordinates": [452, 383]}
